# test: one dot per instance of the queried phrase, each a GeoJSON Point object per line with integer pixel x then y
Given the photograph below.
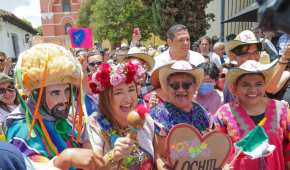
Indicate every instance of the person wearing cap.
{"type": "Point", "coordinates": [116, 85]}
{"type": "Point", "coordinates": [179, 81]}
{"type": "Point", "coordinates": [49, 75]}
{"type": "Point", "coordinates": [178, 40]}
{"type": "Point", "coordinates": [8, 98]}
{"type": "Point", "coordinates": [248, 83]}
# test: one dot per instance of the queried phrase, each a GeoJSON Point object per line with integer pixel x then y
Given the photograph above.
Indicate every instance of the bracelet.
{"type": "Point", "coordinates": [281, 62]}
{"type": "Point", "coordinates": [110, 157]}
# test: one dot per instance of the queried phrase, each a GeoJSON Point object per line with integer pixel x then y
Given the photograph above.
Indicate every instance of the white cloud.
{"type": "Point", "coordinates": [30, 11]}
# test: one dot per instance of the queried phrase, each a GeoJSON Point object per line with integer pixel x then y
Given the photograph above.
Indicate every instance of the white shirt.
{"type": "Point", "coordinates": [214, 58]}
{"type": "Point", "coordinates": [164, 58]}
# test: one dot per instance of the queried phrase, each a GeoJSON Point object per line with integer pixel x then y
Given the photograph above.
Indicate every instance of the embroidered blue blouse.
{"type": "Point", "coordinates": [167, 115]}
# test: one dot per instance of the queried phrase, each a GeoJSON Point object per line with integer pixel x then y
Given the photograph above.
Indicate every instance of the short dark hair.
{"type": "Point", "coordinates": [210, 69]}
{"type": "Point", "coordinates": [174, 29]}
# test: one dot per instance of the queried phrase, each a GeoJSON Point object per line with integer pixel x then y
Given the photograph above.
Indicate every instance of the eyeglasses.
{"type": "Point", "coordinates": [2, 60]}
{"type": "Point", "coordinates": [248, 54]}
{"type": "Point", "coordinates": [177, 85]}
{"type": "Point", "coordinates": [92, 64]}
{"type": "Point", "coordinates": [4, 90]}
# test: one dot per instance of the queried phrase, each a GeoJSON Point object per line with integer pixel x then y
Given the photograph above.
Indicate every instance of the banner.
{"type": "Point", "coordinates": [81, 37]}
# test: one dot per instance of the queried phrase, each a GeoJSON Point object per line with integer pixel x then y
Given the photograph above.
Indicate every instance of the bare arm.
{"type": "Point", "coordinates": [280, 67]}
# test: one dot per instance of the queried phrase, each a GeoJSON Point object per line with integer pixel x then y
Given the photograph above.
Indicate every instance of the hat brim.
{"type": "Point", "coordinates": [165, 72]}
{"type": "Point", "coordinates": [155, 75]}
{"type": "Point", "coordinates": [235, 43]}
{"type": "Point", "coordinates": [145, 57]}
{"type": "Point", "coordinates": [234, 73]}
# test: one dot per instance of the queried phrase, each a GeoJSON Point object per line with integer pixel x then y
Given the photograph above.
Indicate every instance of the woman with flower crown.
{"type": "Point", "coordinates": [116, 85]}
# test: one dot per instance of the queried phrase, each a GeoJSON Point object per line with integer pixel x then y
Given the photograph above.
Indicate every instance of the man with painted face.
{"type": "Point", "coordinates": [49, 75]}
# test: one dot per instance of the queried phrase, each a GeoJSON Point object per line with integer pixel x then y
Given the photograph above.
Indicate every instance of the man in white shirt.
{"type": "Point", "coordinates": [178, 40]}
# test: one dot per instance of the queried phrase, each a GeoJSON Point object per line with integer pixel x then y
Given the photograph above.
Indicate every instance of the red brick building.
{"type": "Point", "coordinates": [57, 16]}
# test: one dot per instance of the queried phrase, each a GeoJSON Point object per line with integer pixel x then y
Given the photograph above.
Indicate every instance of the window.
{"type": "Point", "coordinates": [66, 5]}
{"type": "Point", "coordinates": [67, 26]}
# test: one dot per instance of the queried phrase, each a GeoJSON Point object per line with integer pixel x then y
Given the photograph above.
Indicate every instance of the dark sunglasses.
{"type": "Point", "coordinates": [184, 85]}
{"type": "Point", "coordinates": [2, 60]}
{"type": "Point", "coordinates": [4, 90]}
{"type": "Point", "coordinates": [92, 64]}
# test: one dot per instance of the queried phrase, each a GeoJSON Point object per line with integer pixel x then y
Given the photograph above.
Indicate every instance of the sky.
{"type": "Point", "coordinates": [27, 9]}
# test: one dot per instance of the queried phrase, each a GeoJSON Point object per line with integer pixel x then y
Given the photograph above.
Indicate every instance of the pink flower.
{"type": "Point", "coordinates": [120, 69]}
{"type": "Point", "coordinates": [116, 79]}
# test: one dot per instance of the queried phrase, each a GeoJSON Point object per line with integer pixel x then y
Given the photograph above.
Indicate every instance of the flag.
{"type": "Point", "coordinates": [255, 144]}
{"type": "Point", "coordinates": [81, 37]}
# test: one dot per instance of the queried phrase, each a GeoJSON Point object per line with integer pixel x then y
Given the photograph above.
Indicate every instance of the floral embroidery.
{"type": "Point", "coordinates": [138, 157]}
{"type": "Point", "coordinates": [167, 115]}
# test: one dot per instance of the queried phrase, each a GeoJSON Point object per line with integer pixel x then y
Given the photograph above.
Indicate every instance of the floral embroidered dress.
{"type": "Point", "coordinates": [104, 137]}
{"type": "Point", "coordinates": [234, 120]}
{"type": "Point", "coordinates": [166, 115]}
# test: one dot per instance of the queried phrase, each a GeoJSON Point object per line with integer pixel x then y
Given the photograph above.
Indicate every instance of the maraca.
{"type": "Point", "coordinates": [136, 120]}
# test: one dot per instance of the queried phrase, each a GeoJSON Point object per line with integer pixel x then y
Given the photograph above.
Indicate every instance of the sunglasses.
{"type": "Point", "coordinates": [92, 64]}
{"type": "Point", "coordinates": [2, 60]}
{"type": "Point", "coordinates": [177, 85]}
{"type": "Point", "coordinates": [4, 90]}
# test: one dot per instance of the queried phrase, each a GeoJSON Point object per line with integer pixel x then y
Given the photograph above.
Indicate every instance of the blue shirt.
{"type": "Point", "coordinates": [166, 116]}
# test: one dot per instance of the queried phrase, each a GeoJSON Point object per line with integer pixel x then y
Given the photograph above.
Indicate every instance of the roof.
{"type": "Point", "coordinates": [12, 19]}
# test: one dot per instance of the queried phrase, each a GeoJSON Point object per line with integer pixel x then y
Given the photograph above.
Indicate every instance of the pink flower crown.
{"type": "Point", "coordinates": [109, 75]}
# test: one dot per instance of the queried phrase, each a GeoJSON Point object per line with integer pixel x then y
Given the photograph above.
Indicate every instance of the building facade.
{"type": "Point", "coordinates": [15, 34]}
{"type": "Point", "coordinates": [57, 16]}
{"type": "Point", "coordinates": [231, 16]}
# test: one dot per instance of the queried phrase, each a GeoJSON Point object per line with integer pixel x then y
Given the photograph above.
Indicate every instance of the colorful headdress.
{"type": "Point", "coordinates": [40, 66]}
{"type": "Point", "coordinates": [109, 75]}
{"type": "Point", "coordinates": [54, 62]}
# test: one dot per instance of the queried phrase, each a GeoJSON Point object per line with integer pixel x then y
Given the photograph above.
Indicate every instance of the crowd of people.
{"type": "Point", "coordinates": [69, 110]}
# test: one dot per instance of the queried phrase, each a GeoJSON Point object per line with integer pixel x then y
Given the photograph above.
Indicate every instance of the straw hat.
{"type": "Point", "coordinates": [139, 54]}
{"type": "Point", "coordinates": [250, 66]}
{"type": "Point", "coordinates": [155, 75]}
{"type": "Point", "coordinates": [61, 68]}
{"type": "Point", "coordinates": [245, 37]}
{"type": "Point", "coordinates": [180, 66]}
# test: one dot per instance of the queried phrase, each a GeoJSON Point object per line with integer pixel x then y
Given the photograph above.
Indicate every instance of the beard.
{"type": "Point", "coordinates": [60, 111]}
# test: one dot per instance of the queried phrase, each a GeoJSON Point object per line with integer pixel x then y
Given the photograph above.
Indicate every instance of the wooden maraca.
{"type": "Point", "coordinates": [136, 119]}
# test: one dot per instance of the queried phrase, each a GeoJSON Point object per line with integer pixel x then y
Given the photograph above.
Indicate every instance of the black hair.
{"type": "Point", "coordinates": [238, 49]}
{"type": "Point", "coordinates": [174, 29]}
{"type": "Point", "coordinates": [210, 69]}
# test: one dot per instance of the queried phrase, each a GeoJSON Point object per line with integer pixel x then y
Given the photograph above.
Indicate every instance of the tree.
{"type": "Point", "coordinates": [26, 22]}
{"type": "Point", "coordinates": [190, 13]}
{"type": "Point", "coordinates": [39, 30]}
{"type": "Point", "coordinates": [85, 13]}
{"type": "Point", "coordinates": [115, 19]}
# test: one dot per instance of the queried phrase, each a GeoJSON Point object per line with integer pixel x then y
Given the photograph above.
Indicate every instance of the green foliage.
{"type": "Point", "coordinates": [115, 19]}
{"type": "Point", "coordinates": [85, 13]}
{"type": "Point", "coordinates": [26, 21]}
{"type": "Point", "coordinates": [39, 30]}
{"type": "Point", "coordinates": [190, 13]}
